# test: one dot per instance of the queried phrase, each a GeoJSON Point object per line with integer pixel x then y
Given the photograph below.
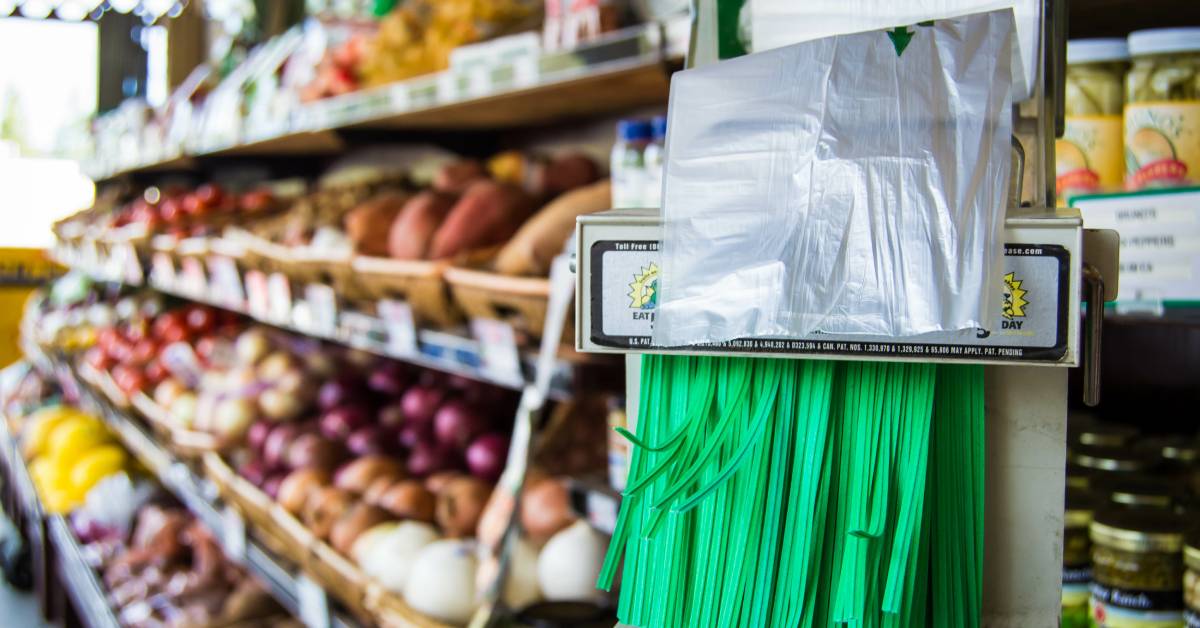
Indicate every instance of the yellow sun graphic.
{"type": "Point", "coordinates": [644, 288]}
{"type": "Point", "coordinates": [1014, 297]}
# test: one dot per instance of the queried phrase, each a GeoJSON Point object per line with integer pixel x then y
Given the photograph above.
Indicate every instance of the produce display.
{"type": "Point", "coordinates": [68, 452]}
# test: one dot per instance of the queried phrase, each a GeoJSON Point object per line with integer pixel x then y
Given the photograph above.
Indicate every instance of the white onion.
{"type": "Point", "coordinates": [386, 551]}
{"type": "Point", "coordinates": [570, 563]}
{"type": "Point", "coordinates": [442, 581]}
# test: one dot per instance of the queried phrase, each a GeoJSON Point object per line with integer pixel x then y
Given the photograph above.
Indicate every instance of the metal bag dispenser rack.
{"type": "Point", "coordinates": [1051, 264]}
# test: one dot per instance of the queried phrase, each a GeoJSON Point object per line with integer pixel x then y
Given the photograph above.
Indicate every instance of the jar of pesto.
{"type": "Point", "coordinates": [1077, 558]}
{"type": "Point", "coordinates": [1162, 109]}
{"type": "Point", "coordinates": [1088, 157]}
{"type": "Point", "coordinates": [1137, 569]}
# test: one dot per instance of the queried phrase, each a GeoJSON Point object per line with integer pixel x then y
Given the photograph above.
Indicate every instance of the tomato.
{"type": "Point", "coordinates": [200, 319]}
{"type": "Point", "coordinates": [171, 211]}
{"type": "Point", "coordinates": [97, 359]}
{"type": "Point", "coordinates": [257, 200]}
{"type": "Point", "coordinates": [156, 372]}
{"type": "Point", "coordinates": [135, 330]}
{"type": "Point", "coordinates": [144, 351]}
{"type": "Point", "coordinates": [192, 205]}
{"type": "Point", "coordinates": [106, 338]}
{"type": "Point", "coordinates": [129, 379]}
{"type": "Point", "coordinates": [121, 350]}
{"type": "Point", "coordinates": [209, 194]}
{"type": "Point", "coordinates": [205, 347]}
{"type": "Point", "coordinates": [168, 320]}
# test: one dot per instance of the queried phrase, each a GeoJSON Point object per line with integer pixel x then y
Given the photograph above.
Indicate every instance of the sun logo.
{"type": "Point", "coordinates": [643, 291]}
{"type": "Point", "coordinates": [1014, 297]}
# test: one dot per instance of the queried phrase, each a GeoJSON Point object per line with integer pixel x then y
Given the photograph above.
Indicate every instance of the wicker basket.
{"type": "Point", "coordinates": [417, 282]}
{"type": "Point", "coordinates": [339, 576]}
{"type": "Point", "coordinates": [103, 382]}
{"type": "Point", "coordinates": [253, 504]}
{"type": "Point", "coordinates": [519, 301]}
{"type": "Point", "coordinates": [391, 611]}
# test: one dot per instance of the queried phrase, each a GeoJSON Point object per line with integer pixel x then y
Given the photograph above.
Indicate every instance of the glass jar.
{"type": "Point", "coordinates": [1088, 157]}
{"type": "Point", "coordinates": [1162, 109]}
{"type": "Point", "coordinates": [1179, 458]}
{"type": "Point", "coordinates": [1077, 558]}
{"type": "Point", "coordinates": [1137, 569]}
{"type": "Point", "coordinates": [1086, 429]}
{"type": "Point", "coordinates": [1191, 580]}
{"type": "Point", "coordinates": [1138, 490]}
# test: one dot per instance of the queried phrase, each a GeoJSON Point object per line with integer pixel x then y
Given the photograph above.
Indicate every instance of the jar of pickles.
{"type": "Point", "coordinates": [1137, 569]}
{"type": "Point", "coordinates": [1077, 558]}
{"type": "Point", "coordinates": [1191, 580]}
{"type": "Point", "coordinates": [1162, 109]}
{"type": "Point", "coordinates": [1088, 157]}
{"type": "Point", "coordinates": [1095, 464]}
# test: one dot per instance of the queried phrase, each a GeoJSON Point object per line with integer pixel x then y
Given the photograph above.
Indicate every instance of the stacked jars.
{"type": "Point", "coordinates": [1088, 157]}
{"type": "Point", "coordinates": [1162, 109]}
{"type": "Point", "coordinates": [1137, 569]}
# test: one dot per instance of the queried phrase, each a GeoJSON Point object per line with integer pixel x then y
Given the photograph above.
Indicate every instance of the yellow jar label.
{"type": "Point", "coordinates": [1162, 144]}
{"type": "Point", "coordinates": [1088, 158]}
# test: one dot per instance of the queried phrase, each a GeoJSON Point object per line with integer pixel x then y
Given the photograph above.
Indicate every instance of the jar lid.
{"type": "Point", "coordinates": [1191, 550]}
{"type": "Point", "coordinates": [1081, 505]}
{"type": "Point", "coordinates": [1180, 449]}
{"type": "Point", "coordinates": [1137, 490]}
{"type": "Point", "coordinates": [1097, 50]}
{"type": "Point", "coordinates": [1159, 41]}
{"type": "Point", "coordinates": [1139, 530]}
{"type": "Point", "coordinates": [1109, 458]}
{"type": "Point", "coordinates": [1086, 429]}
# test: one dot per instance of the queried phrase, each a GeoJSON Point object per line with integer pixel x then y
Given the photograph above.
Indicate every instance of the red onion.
{"type": "Point", "coordinates": [338, 422]}
{"type": "Point", "coordinates": [274, 449]}
{"type": "Point", "coordinates": [389, 379]}
{"type": "Point", "coordinates": [271, 485]}
{"type": "Point", "coordinates": [420, 403]}
{"type": "Point", "coordinates": [413, 434]}
{"type": "Point", "coordinates": [391, 415]}
{"type": "Point", "coordinates": [487, 456]}
{"type": "Point", "coordinates": [338, 391]}
{"type": "Point", "coordinates": [257, 436]}
{"type": "Point", "coordinates": [427, 458]}
{"type": "Point", "coordinates": [456, 424]}
{"type": "Point", "coordinates": [254, 471]}
{"type": "Point", "coordinates": [369, 439]}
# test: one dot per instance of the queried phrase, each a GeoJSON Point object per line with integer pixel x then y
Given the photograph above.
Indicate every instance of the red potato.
{"type": "Point", "coordinates": [455, 177]}
{"type": "Point", "coordinates": [487, 214]}
{"type": "Point", "coordinates": [368, 225]}
{"type": "Point", "coordinates": [539, 240]}
{"type": "Point", "coordinates": [412, 231]}
{"type": "Point", "coordinates": [564, 173]}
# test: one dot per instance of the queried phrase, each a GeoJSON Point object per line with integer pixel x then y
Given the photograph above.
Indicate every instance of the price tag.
{"type": "Point", "coordinates": [398, 99]}
{"type": "Point", "coordinates": [601, 511]}
{"type": "Point", "coordinates": [162, 271]}
{"type": "Point", "coordinates": [322, 304]}
{"type": "Point", "coordinates": [498, 350]}
{"type": "Point", "coordinates": [526, 71]}
{"type": "Point", "coordinates": [401, 331]}
{"type": "Point", "coordinates": [447, 86]}
{"type": "Point", "coordinates": [279, 297]}
{"type": "Point", "coordinates": [193, 282]}
{"type": "Point", "coordinates": [314, 604]}
{"type": "Point", "coordinates": [479, 81]}
{"type": "Point", "coordinates": [257, 299]}
{"type": "Point", "coordinates": [233, 528]}
{"type": "Point", "coordinates": [226, 282]}
{"type": "Point", "coordinates": [131, 267]}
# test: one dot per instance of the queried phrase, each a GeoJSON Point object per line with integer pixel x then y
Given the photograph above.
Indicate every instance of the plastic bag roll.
{"type": "Point", "coordinates": [849, 185]}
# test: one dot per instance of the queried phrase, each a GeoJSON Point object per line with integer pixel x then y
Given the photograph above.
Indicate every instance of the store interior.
{"type": "Point", "coordinates": [594, 313]}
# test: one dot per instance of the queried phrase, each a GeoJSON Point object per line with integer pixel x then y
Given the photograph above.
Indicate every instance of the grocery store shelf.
{"type": "Point", "coordinates": [452, 353]}
{"type": "Point", "coordinates": [620, 71]}
{"type": "Point", "coordinates": [196, 494]}
{"type": "Point", "coordinates": [82, 583]}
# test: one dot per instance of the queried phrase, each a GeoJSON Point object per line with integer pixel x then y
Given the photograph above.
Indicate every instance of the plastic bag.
{"type": "Point", "coordinates": [839, 186]}
{"type": "Point", "coordinates": [776, 23]}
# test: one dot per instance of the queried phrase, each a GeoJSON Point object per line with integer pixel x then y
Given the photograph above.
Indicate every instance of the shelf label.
{"type": "Point", "coordinates": [194, 283]}
{"type": "Point", "coordinates": [258, 302]}
{"type": "Point", "coordinates": [401, 331]}
{"type": "Point", "coordinates": [131, 267]}
{"type": "Point", "coordinates": [448, 88]}
{"type": "Point", "coordinates": [226, 282]}
{"type": "Point", "coordinates": [279, 296]}
{"type": "Point", "coordinates": [233, 531]}
{"type": "Point", "coordinates": [498, 354]}
{"type": "Point", "coordinates": [601, 511]}
{"type": "Point", "coordinates": [162, 271]}
{"type": "Point", "coordinates": [314, 604]}
{"type": "Point", "coordinates": [323, 307]}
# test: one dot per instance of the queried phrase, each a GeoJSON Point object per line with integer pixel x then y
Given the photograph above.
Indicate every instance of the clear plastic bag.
{"type": "Point", "coordinates": [839, 186]}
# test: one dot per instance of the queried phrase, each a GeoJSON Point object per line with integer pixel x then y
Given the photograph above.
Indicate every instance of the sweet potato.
{"type": "Point", "coordinates": [367, 224]}
{"type": "Point", "coordinates": [542, 238]}
{"type": "Point", "coordinates": [564, 173]}
{"type": "Point", "coordinates": [487, 214]}
{"type": "Point", "coordinates": [413, 229]}
{"type": "Point", "coordinates": [456, 176]}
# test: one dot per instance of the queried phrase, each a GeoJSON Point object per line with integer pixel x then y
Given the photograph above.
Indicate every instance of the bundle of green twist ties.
{"type": "Point", "coordinates": [774, 492]}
